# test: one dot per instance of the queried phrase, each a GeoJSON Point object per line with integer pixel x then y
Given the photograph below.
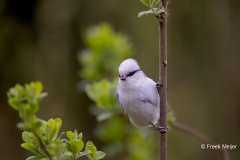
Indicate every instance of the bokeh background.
{"type": "Point", "coordinates": [40, 40]}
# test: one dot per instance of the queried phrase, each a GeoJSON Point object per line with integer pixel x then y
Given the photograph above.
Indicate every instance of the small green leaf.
{"type": "Point", "coordinates": [57, 149]}
{"type": "Point", "coordinates": [145, 13]}
{"type": "Point", "coordinates": [66, 144]}
{"type": "Point", "coordinates": [102, 93]}
{"type": "Point", "coordinates": [25, 126]}
{"type": "Point", "coordinates": [60, 136]}
{"type": "Point", "coordinates": [30, 147]}
{"type": "Point", "coordinates": [100, 155]}
{"type": "Point", "coordinates": [79, 137]}
{"type": "Point", "coordinates": [65, 141]}
{"type": "Point", "coordinates": [56, 125]}
{"type": "Point", "coordinates": [36, 157]}
{"type": "Point", "coordinates": [66, 156]}
{"type": "Point", "coordinates": [76, 146]}
{"type": "Point", "coordinates": [70, 135]}
{"type": "Point", "coordinates": [83, 153]}
{"type": "Point", "coordinates": [14, 103]}
{"type": "Point", "coordinates": [90, 146]}
{"type": "Point", "coordinates": [102, 42]}
{"type": "Point", "coordinates": [154, 3]}
{"type": "Point", "coordinates": [154, 11]}
{"type": "Point", "coordinates": [103, 116]}
{"type": "Point", "coordinates": [37, 124]}
{"type": "Point", "coordinates": [75, 134]}
{"type": "Point", "coordinates": [28, 137]}
{"type": "Point", "coordinates": [42, 95]}
{"type": "Point", "coordinates": [146, 2]}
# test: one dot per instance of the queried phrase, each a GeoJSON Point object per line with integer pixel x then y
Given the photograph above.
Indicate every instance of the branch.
{"type": "Point", "coordinates": [223, 153]}
{"type": "Point", "coordinates": [162, 19]}
{"type": "Point", "coordinates": [43, 146]}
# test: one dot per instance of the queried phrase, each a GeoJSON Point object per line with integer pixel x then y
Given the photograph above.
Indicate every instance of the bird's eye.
{"type": "Point", "coordinates": [132, 73]}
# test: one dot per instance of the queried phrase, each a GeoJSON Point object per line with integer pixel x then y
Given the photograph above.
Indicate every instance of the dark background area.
{"type": "Point", "coordinates": [40, 40]}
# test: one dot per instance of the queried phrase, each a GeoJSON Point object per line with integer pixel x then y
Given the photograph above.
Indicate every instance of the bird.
{"type": "Point", "coordinates": [138, 95]}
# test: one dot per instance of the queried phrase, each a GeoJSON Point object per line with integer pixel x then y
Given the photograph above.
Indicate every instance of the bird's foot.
{"type": "Point", "coordinates": [160, 128]}
{"type": "Point", "coordinates": [158, 85]}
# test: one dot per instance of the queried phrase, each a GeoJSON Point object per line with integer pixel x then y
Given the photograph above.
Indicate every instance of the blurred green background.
{"type": "Point", "coordinates": [40, 40]}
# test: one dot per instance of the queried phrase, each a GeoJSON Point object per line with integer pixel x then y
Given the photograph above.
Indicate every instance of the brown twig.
{"type": "Point", "coordinates": [162, 19]}
{"type": "Point", "coordinates": [42, 146]}
{"type": "Point", "coordinates": [223, 153]}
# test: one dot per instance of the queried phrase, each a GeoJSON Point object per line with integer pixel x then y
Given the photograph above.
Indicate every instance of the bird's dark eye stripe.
{"type": "Point", "coordinates": [132, 73]}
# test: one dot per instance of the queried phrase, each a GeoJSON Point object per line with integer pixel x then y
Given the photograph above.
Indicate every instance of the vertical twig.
{"type": "Point", "coordinates": [163, 77]}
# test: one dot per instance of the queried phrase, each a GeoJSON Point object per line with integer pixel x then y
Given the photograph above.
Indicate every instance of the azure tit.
{"type": "Point", "coordinates": [138, 95]}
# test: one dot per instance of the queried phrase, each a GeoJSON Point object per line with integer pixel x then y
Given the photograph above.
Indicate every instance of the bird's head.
{"type": "Point", "coordinates": [128, 69]}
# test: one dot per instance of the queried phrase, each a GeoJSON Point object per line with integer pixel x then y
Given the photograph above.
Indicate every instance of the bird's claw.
{"type": "Point", "coordinates": [158, 85]}
{"type": "Point", "coordinates": [160, 128]}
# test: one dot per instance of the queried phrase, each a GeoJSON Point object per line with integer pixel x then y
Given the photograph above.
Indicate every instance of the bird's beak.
{"type": "Point", "coordinates": [123, 77]}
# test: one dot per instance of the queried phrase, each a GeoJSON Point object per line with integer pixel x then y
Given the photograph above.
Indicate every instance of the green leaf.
{"type": "Point", "coordinates": [83, 153]}
{"type": "Point", "coordinates": [30, 147]}
{"type": "Point", "coordinates": [42, 95]}
{"type": "Point", "coordinates": [70, 135]}
{"type": "Point", "coordinates": [60, 136]}
{"type": "Point", "coordinates": [154, 3]}
{"type": "Point", "coordinates": [103, 116]}
{"type": "Point", "coordinates": [57, 123]}
{"type": "Point", "coordinates": [79, 137]}
{"type": "Point", "coordinates": [52, 127]}
{"type": "Point", "coordinates": [66, 144]}
{"type": "Point", "coordinates": [90, 146]}
{"type": "Point", "coordinates": [66, 156]}
{"type": "Point", "coordinates": [57, 150]}
{"type": "Point", "coordinates": [75, 134]}
{"type": "Point", "coordinates": [37, 124]}
{"type": "Point", "coordinates": [76, 146]}
{"type": "Point", "coordinates": [102, 42]}
{"type": "Point", "coordinates": [14, 103]}
{"type": "Point", "coordinates": [102, 93]}
{"type": "Point", "coordinates": [100, 155]}
{"type": "Point", "coordinates": [25, 126]}
{"type": "Point", "coordinates": [154, 11]}
{"type": "Point", "coordinates": [28, 137]}
{"type": "Point", "coordinates": [37, 87]}
{"type": "Point", "coordinates": [146, 2]}
{"type": "Point", "coordinates": [36, 157]}
{"type": "Point", "coordinates": [145, 13]}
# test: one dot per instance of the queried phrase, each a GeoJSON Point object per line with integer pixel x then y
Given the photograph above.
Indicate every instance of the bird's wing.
{"type": "Point", "coordinates": [144, 99]}
{"type": "Point", "coordinates": [149, 93]}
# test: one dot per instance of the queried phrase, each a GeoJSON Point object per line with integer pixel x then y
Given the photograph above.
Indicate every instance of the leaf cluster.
{"type": "Point", "coordinates": [42, 137]}
{"type": "Point", "coordinates": [153, 9]}
{"type": "Point", "coordinates": [104, 50]}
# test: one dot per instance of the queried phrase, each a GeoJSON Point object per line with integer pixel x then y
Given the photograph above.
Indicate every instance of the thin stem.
{"type": "Point", "coordinates": [163, 77]}
{"type": "Point", "coordinates": [223, 153]}
{"type": "Point", "coordinates": [42, 146]}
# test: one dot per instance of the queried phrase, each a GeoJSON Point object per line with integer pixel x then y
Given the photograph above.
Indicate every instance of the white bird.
{"type": "Point", "coordinates": [138, 95]}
